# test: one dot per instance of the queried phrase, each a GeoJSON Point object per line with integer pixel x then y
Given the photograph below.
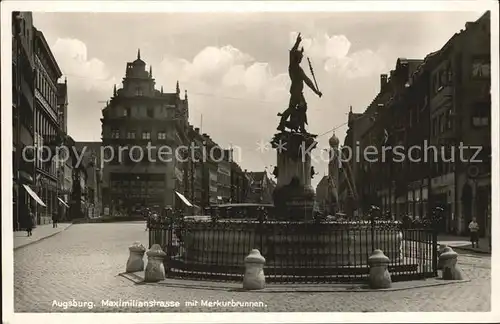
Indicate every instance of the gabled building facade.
{"type": "Point", "coordinates": [140, 115]}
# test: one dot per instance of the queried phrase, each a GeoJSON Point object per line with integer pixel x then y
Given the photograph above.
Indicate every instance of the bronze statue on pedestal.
{"type": "Point", "coordinates": [297, 107]}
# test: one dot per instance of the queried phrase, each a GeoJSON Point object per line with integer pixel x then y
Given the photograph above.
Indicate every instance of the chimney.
{"type": "Point", "coordinates": [197, 130]}
{"type": "Point", "coordinates": [383, 81]}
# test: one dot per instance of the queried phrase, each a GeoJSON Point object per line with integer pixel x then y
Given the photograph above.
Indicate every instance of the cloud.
{"type": "Point", "coordinates": [333, 53]}
{"type": "Point", "coordinates": [226, 69]}
{"type": "Point", "coordinates": [82, 72]}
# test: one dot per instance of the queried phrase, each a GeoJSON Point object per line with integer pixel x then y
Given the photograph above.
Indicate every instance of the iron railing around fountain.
{"type": "Point", "coordinates": [335, 251]}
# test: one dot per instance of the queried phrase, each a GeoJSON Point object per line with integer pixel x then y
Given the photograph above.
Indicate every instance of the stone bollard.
{"type": "Point", "coordinates": [380, 277]}
{"type": "Point", "coordinates": [155, 270]}
{"type": "Point", "coordinates": [440, 250]}
{"type": "Point", "coordinates": [135, 260]}
{"type": "Point", "coordinates": [448, 262]}
{"type": "Point", "coordinates": [254, 277]}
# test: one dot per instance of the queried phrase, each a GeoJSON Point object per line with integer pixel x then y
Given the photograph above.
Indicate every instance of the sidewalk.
{"type": "Point", "coordinates": [39, 233]}
{"type": "Point", "coordinates": [463, 243]}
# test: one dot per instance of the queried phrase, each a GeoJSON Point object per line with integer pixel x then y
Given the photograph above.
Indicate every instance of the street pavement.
{"type": "Point", "coordinates": [463, 243]}
{"type": "Point", "coordinates": [82, 263]}
{"type": "Point", "coordinates": [40, 232]}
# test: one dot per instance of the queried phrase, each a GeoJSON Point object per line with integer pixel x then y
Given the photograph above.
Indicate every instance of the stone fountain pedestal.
{"type": "Point", "coordinates": [294, 196]}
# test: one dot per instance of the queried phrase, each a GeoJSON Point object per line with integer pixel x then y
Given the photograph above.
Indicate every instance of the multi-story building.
{"type": "Point", "coordinates": [65, 181]}
{"type": "Point", "coordinates": [429, 107]}
{"type": "Point", "coordinates": [46, 130]}
{"type": "Point", "coordinates": [460, 104]}
{"type": "Point", "coordinates": [65, 163]}
{"type": "Point", "coordinates": [261, 188]}
{"type": "Point", "coordinates": [23, 65]}
{"type": "Point", "coordinates": [210, 171]}
{"type": "Point", "coordinates": [62, 106]}
{"type": "Point", "coordinates": [224, 177]}
{"type": "Point", "coordinates": [79, 194]}
{"type": "Point", "coordinates": [239, 184]}
{"type": "Point", "coordinates": [195, 167]}
{"type": "Point", "coordinates": [90, 152]}
{"type": "Point", "coordinates": [142, 116]}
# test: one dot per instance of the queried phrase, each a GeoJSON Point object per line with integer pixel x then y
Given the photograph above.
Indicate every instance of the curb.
{"type": "Point", "coordinates": [42, 238]}
{"type": "Point", "coordinates": [106, 220]}
{"type": "Point", "coordinates": [468, 249]}
{"type": "Point", "coordinates": [233, 287]}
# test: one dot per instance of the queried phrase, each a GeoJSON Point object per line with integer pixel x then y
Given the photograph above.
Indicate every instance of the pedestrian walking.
{"type": "Point", "coordinates": [30, 222]}
{"type": "Point", "coordinates": [474, 232]}
{"type": "Point", "coordinates": [55, 220]}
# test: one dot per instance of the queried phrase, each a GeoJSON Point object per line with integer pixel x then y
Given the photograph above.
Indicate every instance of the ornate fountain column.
{"type": "Point", "coordinates": [294, 196]}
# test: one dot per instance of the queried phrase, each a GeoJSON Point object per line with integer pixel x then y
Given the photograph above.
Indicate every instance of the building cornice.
{"type": "Point", "coordinates": [39, 35]}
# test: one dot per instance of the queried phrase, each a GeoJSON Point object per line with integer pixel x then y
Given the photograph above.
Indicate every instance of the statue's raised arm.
{"type": "Point", "coordinates": [297, 43]}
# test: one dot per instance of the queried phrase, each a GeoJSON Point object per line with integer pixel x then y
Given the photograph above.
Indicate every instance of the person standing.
{"type": "Point", "coordinates": [474, 232]}
{"type": "Point", "coordinates": [30, 222]}
{"type": "Point", "coordinates": [55, 219]}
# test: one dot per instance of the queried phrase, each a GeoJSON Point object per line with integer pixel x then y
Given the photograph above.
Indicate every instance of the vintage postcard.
{"type": "Point", "coordinates": [249, 161]}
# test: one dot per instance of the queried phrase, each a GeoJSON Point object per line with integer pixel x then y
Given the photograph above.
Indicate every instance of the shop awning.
{"type": "Point", "coordinates": [62, 202]}
{"type": "Point", "coordinates": [184, 199]}
{"type": "Point", "coordinates": [34, 195]}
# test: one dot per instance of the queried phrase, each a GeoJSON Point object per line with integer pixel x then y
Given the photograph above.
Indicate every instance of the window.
{"type": "Point", "coordinates": [115, 133]}
{"type": "Point", "coordinates": [480, 68]}
{"type": "Point", "coordinates": [150, 112]}
{"type": "Point", "coordinates": [138, 91]}
{"type": "Point", "coordinates": [162, 135]}
{"type": "Point", "coordinates": [131, 135]}
{"type": "Point", "coordinates": [126, 112]}
{"type": "Point", "coordinates": [146, 135]}
{"type": "Point", "coordinates": [481, 115]}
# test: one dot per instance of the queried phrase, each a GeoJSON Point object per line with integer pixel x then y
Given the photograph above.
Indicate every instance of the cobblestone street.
{"type": "Point", "coordinates": [83, 263]}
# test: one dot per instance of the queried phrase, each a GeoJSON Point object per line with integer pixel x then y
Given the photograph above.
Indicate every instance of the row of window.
{"type": "Point", "coordinates": [480, 69]}
{"type": "Point", "coordinates": [441, 79]}
{"type": "Point", "coordinates": [167, 112]}
{"type": "Point", "coordinates": [46, 88]}
{"type": "Point", "coordinates": [442, 123]}
{"type": "Point", "coordinates": [150, 112]}
{"type": "Point", "coordinates": [115, 134]}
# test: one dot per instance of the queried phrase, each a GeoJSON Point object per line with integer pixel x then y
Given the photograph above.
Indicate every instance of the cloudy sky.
{"type": "Point", "coordinates": [234, 66]}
